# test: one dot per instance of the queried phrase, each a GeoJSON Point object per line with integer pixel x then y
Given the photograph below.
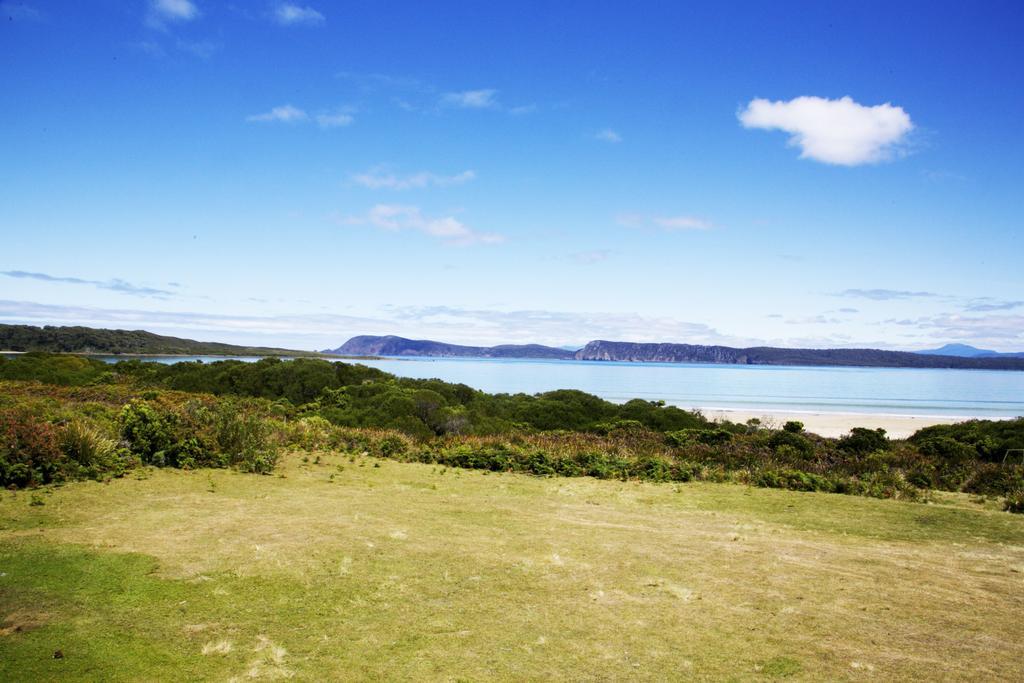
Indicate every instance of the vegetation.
{"type": "Point", "coordinates": [57, 339]}
{"type": "Point", "coordinates": [337, 569]}
{"type": "Point", "coordinates": [88, 419]}
{"type": "Point", "coordinates": [406, 543]}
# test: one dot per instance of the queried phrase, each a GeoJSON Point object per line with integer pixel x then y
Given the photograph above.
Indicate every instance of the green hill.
{"type": "Point", "coordinates": [56, 339]}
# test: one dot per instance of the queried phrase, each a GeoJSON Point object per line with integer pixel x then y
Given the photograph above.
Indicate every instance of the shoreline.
{"type": "Point", "coordinates": [837, 424]}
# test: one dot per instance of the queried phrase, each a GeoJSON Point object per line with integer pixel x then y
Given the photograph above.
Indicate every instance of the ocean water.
{"type": "Point", "coordinates": [892, 391]}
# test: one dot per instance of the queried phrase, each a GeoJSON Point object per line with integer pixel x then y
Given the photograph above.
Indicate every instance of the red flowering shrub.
{"type": "Point", "coordinates": [29, 450]}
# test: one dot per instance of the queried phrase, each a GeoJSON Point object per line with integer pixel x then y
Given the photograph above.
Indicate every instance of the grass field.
{"type": "Point", "coordinates": [377, 569]}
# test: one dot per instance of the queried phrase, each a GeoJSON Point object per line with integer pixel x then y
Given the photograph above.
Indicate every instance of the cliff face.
{"type": "Point", "coordinates": [368, 345]}
{"type": "Point", "coordinates": [660, 353]}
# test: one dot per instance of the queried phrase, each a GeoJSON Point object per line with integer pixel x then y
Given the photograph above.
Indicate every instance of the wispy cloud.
{"type": "Point", "coordinates": [608, 135]}
{"type": "Point", "coordinates": [204, 49]}
{"type": "Point", "coordinates": [19, 11]}
{"type": "Point", "coordinates": [114, 285]}
{"type": "Point", "coordinates": [471, 99]}
{"type": "Point", "coordinates": [991, 304]}
{"type": "Point", "coordinates": [523, 109]}
{"type": "Point", "coordinates": [376, 81]}
{"type": "Point", "coordinates": [149, 47]}
{"type": "Point", "coordinates": [683, 223]}
{"type": "Point", "coordinates": [591, 256]}
{"type": "Point", "coordinates": [416, 95]}
{"type": "Point", "coordinates": [164, 12]}
{"type": "Point", "coordinates": [283, 114]}
{"type": "Point", "coordinates": [323, 330]}
{"type": "Point", "coordinates": [288, 14]}
{"type": "Point", "coordinates": [840, 132]}
{"type": "Point", "coordinates": [311, 331]}
{"type": "Point", "coordinates": [287, 113]}
{"type": "Point", "coordinates": [336, 119]}
{"type": "Point", "coordinates": [447, 229]}
{"type": "Point", "coordinates": [976, 329]}
{"type": "Point", "coordinates": [679, 223]}
{"type": "Point", "coordinates": [884, 294]}
{"type": "Point", "coordinates": [490, 325]}
{"type": "Point", "coordinates": [381, 179]}
{"type": "Point", "coordinates": [812, 320]}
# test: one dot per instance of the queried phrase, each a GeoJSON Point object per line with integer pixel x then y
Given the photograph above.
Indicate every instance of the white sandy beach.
{"type": "Point", "coordinates": [836, 424]}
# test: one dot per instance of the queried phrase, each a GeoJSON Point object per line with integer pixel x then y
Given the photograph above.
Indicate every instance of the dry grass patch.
{"type": "Point", "coordinates": [409, 571]}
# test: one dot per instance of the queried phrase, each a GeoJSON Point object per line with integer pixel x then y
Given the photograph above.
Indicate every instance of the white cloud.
{"type": "Point", "coordinates": [471, 99]}
{"type": "Point", "coordinates": [448, 229]}
{"type": "Point", "coordinates": [673, 223]}
{"type": "Point", "coordinates": [378, 179]}
{"type": "Point", "coordinates": [840, 132]}
{"type": "Point", "coordinates": [608, 135]}
{"type": "Point", "coordinates": [284, 114]}
{"type": "Point", "coordinates": [163, 11]}
{"type": "Point", "coordinates": [338, 119]}
{"type": "Point", "coordinates": [668, 223]}
{"type": "Point", "coordinates": [288, 14]}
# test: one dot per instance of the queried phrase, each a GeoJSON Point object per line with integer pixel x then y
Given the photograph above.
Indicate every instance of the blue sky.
{"type": "Point", "coordinates": [295, 173]}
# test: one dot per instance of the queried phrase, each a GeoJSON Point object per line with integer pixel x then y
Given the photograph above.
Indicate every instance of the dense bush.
{"type": "Point", "coordinates": [686, 437]}
{"type": "Point", "coordinates": [55, 369]}
{"type": "Point", "coordinates": [93, 421]}
{"type": "Point", "coordinates": [224, 434]}
{"type": "Point", "coordinates": [994, 440]}
{"type": "Point", "coordinates": [861, 440]}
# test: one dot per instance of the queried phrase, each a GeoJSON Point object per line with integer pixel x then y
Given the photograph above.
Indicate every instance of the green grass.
{"type": "Point", "coordinates": [407, 571]}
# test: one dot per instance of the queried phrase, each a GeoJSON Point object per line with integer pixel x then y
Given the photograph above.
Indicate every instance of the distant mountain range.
{"type": "Point", "coordinates": [368, 345]}
{"type": "Point", "coordinates": [967, 351]}
{"type": "Point", "coordinates": [679, 353]}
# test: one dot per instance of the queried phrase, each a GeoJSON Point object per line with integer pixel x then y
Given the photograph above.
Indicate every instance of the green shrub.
{"type": "Point", "coordinates": [1015, 502]}
{"type": "Point", "coordinates": [947, 449]}
{"type": "Point", "coordinates": [147, 431]}
{"type": "Point", "coordinates": [796, 441]}
{"type": "Point", "coordinates": [259, 463]}
{"type": "Point", "coordinates": [861, 440]}
{"type": "Point", "coordinates": [794, 480]}
{"type": "Point", "coordinates": [685, 437]}
{"type": "Point", "coordinates": [392, 446]}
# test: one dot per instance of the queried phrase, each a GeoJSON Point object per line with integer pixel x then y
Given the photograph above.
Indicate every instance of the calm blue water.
{"type": "Point", "coordinates": [895, 391]}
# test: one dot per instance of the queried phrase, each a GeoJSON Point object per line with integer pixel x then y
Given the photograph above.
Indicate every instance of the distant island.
{"type": "Point", "coordinates": [601, 350]}
{"type": "Point", "coordinates": [56, 339]}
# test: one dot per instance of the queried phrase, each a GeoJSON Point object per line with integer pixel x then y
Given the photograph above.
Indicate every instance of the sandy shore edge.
{"type": "Point", "coordinates": [838, 424]}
